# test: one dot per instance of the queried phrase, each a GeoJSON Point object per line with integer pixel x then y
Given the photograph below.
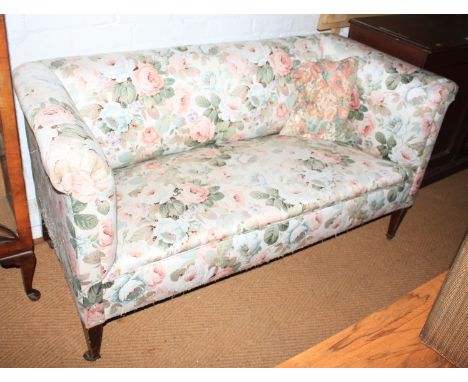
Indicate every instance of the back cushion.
{"type": "Point", "coordinates": [140, 105]}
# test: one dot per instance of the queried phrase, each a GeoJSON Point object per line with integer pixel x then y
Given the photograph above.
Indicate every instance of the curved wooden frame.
{"type": "Point", "coordinates": [15, 251]}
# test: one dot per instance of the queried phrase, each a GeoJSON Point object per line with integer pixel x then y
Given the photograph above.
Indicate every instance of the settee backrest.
{"type": "Point", "coordinates": [143, 104]}
{"type": "Point", "coordinates": [399, 109]}
{"type": "Point", "coordinates": [140, 105]}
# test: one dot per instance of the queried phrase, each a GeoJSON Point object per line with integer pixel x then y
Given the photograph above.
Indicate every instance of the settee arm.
{"type": "Point", "coordinates": [398, 109]}
{"type": "Point", "coordinates": [77, 168]}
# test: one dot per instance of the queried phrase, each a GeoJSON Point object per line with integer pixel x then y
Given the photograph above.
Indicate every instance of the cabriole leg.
{"type": "Point", "coordinates": [27, 262]}
{"type": "Point", "coordinates": [395, 221]}
{"type": "Point", "coordinates": [28, 267]}
{"type": "Point", "coordinates": [93, 338]}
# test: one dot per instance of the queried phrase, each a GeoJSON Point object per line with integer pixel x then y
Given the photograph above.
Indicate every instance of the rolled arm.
{"type": "Point", "coordinates": [398, 108]}
{"type": "Point", "coordinates": [77, 168]}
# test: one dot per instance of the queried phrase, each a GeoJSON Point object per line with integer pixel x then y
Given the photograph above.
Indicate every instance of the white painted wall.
{"type": "Point", "coordinates": [34, 37]}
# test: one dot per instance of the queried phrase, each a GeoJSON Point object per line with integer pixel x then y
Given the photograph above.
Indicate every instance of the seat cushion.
{"type": "Point", "coordinates": [181, 201]}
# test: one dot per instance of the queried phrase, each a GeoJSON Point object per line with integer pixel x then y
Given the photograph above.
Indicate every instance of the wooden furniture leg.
{"type": "Point", "coordinates": [93, 338]}
{"type": "Point", "coordinates": [27, 262]}
{"type": "Point", "coordinates": [45, 235]}
{"type": "Point", "coordinates": [395, 221]}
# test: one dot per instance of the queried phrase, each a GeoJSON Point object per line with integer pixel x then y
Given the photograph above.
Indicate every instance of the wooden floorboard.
{"type": "Point", "coordinates": [386, 338]}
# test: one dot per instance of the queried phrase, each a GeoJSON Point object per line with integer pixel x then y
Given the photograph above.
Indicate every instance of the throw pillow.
{"type": "Point", "coordinates": [324, 93]}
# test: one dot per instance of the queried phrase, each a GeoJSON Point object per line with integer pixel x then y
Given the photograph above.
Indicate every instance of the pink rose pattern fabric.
{"type": "Point", "coordinates": [85, 253]}
{"type": "Point", "coordinates": [140, 105]}
{"type": "Point", "coordinates": [324, 99]}
{"type": "Point", "coordinates": [84, 208]}
{"type": "Point", "coordinates": [398, 110]}
{"type": "Point", "coordinates": [217, 259]}
{"type": "Point", "coordinates": [179, 202]}
{"type": "Point", "coordinates": [90, 115]}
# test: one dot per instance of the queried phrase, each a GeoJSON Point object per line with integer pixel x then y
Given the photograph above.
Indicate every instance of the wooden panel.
{"type": "Point", "coordinates": [435, 33]}
{"type": "Point", "coordinates": [387, 338]}
{"type": "Point", "coordinates": [12, 153]}
{"type": "Point", "coordinates": [387, 44]}
{"type": "Point", "coordinates": [16, 248]}
{"type": "Point", "coordinates": [329, 21]}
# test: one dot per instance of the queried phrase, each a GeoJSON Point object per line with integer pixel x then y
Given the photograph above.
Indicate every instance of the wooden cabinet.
{"type": "Point", "coordinates": [438, 43]}
{"type": "Point", "coordinates": [16, 243]}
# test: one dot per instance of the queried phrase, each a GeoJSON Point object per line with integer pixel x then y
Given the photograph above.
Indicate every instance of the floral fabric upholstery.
{"type": "Point", "coordinates": [325, 90]}
{"type": "Point", "coordinates": [220, 258]}
{"type": "Point", "coordinates": [133, 225]}
{"type": "Point", "coordinates": [76, 166]}
{"type": "Point", "coordinates": [179, 202]}
{"type": "Point", "coordinates": [400, 107]}
{"type": "Point", "coordinates": [140, 105]}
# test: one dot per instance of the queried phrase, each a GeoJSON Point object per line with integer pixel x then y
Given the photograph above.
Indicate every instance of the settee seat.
{"type": "Point", "coordinates": [221, 190]}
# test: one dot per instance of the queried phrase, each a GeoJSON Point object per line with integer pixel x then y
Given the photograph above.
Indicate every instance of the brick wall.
{"type": "Point", "coordinates": [34, 37]}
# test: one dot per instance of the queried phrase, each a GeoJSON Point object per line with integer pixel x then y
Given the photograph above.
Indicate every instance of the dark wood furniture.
{"type": "Point", "coordinates": [438, 43]}
{"type": "Point", "coordinates": [16, 243]}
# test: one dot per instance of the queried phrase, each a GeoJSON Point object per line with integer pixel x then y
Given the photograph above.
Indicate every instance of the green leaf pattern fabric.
{"type": "Point", "coordinates": [163, 170]}
{"type": "Point", "coordinates": [179, 202]}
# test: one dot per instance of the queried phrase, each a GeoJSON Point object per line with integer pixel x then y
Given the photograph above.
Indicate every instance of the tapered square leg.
{"type": "Point", "coordinates": [93, 338]}
{"type": "Point", "coordinates": [395, 221]}
{"type": "Point", "coordinates": [45, 235]}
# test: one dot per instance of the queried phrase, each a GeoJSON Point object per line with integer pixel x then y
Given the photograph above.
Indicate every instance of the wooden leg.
{"type": "Point", "coordinates": [27, 262]}
{"type": "Point", "coordinates": [45, 235]}
{"type": "Point", "coordinates": [93, 338]}
{"type": "Point", "coordinates": [395, 220]}
{"type": "Point", "coordinates": [28, 267]}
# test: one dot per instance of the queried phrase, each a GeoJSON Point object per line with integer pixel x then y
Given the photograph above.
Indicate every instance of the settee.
{"type": "Point", "coordinates": [159, 171]}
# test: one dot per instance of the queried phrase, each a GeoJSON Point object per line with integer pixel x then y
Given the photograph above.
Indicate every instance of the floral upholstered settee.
{"type": "Point", "coordinates": [159, 171]}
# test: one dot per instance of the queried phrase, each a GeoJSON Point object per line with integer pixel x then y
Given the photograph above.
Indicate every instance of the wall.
{"type": "Point", "coordinates": [34, 37]}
